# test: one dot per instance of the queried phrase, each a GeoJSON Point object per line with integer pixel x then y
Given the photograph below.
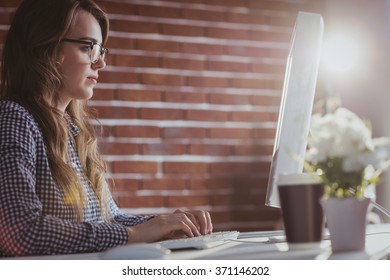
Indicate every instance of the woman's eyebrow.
{"type": "Point", "coordinates": [88, 39]}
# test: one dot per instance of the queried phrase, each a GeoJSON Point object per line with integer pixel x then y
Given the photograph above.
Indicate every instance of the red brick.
{"type": "Point", "coordinates": [136, 201]}
{"type": "Point", "coordinates": [163, 149]}
{"type": "Point", "coordinates": [183, 63]}
{"type": "Point", "coordinates": [184, 97]}
{"type": "Point", "coordinates": [117, 112]}
{"type": "Point", "coordinates": [139, 95]}
{"type": "Point", "coordinates": [243, 168]}
{"type": "Point", "coordinates": [230, 133]}
{"type": "Point", "coordinates": [125, 185]}
{"type": "Point", "coordinates": [247, 51]}
{"type": "Point", "coordinates": [105, 131]}
{"type": "Point", "coordinates": [220, 217]}
{"type": "Point", "coordinates": [183, 30]}
{"type": "Point", "coordinates": [207, 82]}
{"type": "Point", "coordinates": [247, 18]}
{"type": "Point", "coordinates": [226, 33]}
{"type": "Point", "coordinates": [158, 45]}
{"type": "Point", "coordinates": [164, 184]}
{"type": "Point", "coordinates": [230, 99]}
{"type": "Point", "coordinates": [136, 26]}
{"type": "Point", "coordinates": [252, 83]}
{"type": "Point", "coordinates": [267, 100]}
{"type": "Point", "coordinates": [117, 7]}
{"type": "Point", "coordinates": [278, 53]}
{"type": "Point", "coordinates": [211, 183]}
{"type": "Point", "coordinates": [207, 115]}
{"type": "Point", "coordinates": [162, 79]}
{"type": "Point", "coordinates": [159, 11]}
{"type": "Point", "coordinates": [115, 148]}
{"type": "Point", "coordinates": [204, 49]}
{"type": "Point", "coordinates": [184, 132]}
{"type": "Point", "coordinates": [118, 77]}
{"type": "Point", "coordinates": [269, 36]}
{"type": "Point", "coordinates": [137, 131]}
{"type": "Point", "coordinates": [103, 94]}
{"type": "Point", "coordinates": [259, 67]}
{"type": "Point", "coordinates": [110, 60]}
{"type": "Point", "coordinates": [185, 167]}
{"type": "Point", "coordinates": [228, 3]}
{"type": "Point", "coordinates": [252, 149]}
{"type": "Point", "coordinates": [204, 15]}
{"type": "Point", "coordinates": [256, 184]}
{"type": "Point", "coordinates": [134, 167]}
{"type": "Point", "coordinates": [229, 66]}
{"type": "Point", "coordinates": [120, 43]}
{"type": "Point", "coordinates": [254, 116]}
{"type": "Point", "coordinates": [221, 200]}
{"type": "Point", "coordinates": [136, 60]}
{"type": "Point", "coordinates": [161, 114]}
{"type": "Point", "coordinates": [209, 149]}
{"type": "Point", "coordinates": [264, 133]}
{"type": "Point", "coordinates": [188, 201]}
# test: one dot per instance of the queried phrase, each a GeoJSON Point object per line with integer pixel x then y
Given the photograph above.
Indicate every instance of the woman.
{"type": "Point", "coordinates": [53, 195]}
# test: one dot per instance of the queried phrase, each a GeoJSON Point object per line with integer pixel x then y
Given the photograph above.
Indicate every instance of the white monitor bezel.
{"type": "Point", "coordinates": [297, 101]}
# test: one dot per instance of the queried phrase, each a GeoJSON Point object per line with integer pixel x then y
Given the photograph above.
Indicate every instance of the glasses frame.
{"type": "Point", "coordinates": [103, 51]}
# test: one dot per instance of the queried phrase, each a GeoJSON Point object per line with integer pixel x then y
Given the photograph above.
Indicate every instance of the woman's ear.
{"type": "Point", "coordinates": [60, 58]}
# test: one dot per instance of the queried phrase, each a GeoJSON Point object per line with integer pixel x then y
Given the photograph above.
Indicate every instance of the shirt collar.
{"type": "Point", "coordinates": [72, 126]}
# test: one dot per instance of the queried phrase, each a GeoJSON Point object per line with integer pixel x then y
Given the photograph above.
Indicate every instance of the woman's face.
{"type": "Point", "coordinates": [79, 75]}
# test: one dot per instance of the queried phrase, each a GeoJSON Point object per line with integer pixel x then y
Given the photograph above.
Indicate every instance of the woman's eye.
{"type": "Point", "coordinates": [86, 49]}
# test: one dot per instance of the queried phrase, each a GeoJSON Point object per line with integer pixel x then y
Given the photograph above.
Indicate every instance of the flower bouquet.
{"type": "Point", "coordinates": [343, 152]}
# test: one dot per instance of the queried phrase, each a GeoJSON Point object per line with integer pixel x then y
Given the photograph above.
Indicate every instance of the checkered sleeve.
{"type": "Point", "coordinates": [25, 227]}
{"type": "Point", "coordinates": [125, 219]}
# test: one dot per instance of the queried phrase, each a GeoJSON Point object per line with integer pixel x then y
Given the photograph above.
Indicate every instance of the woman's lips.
{"type": "Point", "coordinates": [93, 79]}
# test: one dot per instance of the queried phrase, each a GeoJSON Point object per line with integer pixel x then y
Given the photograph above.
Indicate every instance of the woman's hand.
{"type": "Point", "coordinates": [201, 219]}
{"type": "Point", "coordinates": [178, 224]}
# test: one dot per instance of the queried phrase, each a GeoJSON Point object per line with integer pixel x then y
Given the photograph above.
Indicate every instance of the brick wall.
{"type": "Point", "coordinates": [189, 102]}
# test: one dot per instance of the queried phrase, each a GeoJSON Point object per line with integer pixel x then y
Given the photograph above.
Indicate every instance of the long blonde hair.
{"type": "Point", "coordinates": [31, 78]}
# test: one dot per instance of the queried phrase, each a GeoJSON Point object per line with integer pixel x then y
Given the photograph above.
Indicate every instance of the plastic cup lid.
{"type": "Point", "coordinates": [298, 179]}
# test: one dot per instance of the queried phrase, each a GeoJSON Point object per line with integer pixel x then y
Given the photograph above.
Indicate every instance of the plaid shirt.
{"type": "Point", "coordinates": [34, 219]}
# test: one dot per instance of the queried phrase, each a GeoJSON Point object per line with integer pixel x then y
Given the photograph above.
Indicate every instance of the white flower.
{"type": "Point", "coordinates": [340, 134]}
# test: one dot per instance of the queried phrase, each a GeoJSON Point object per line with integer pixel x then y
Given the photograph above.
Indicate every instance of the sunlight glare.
{"type": "Point", "coordinates": [340, 54]}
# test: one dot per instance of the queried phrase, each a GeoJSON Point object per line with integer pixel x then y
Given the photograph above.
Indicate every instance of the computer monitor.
{"type": "Point", "coordinates": [296, 102]}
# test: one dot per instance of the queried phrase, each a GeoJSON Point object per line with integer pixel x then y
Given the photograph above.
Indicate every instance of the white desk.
{"type": "Point", "coordinates": [377, 247]}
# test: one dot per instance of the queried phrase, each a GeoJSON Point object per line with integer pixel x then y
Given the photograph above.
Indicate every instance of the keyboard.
{"type": "Point", "coordinates": [200, 242]}
{"type": "Point", "coordinates": [254, 234]}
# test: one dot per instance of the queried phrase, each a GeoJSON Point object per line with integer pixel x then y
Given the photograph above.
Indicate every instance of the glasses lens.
{"type": "Point", "coordinates": [103, 53]}
{"type": "Point", "coordinates": [95, 53]}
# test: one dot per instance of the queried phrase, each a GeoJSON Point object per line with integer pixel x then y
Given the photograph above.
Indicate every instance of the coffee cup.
{"type": "Point", "coordinates": [303, 217]}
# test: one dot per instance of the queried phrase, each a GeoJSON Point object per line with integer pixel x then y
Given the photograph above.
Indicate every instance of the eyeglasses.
{"type": "Point", "coordinates": [96, 50]}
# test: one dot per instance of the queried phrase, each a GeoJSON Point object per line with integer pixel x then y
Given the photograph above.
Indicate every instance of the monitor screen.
{"type": "Point", "coordinates": [297, 101]}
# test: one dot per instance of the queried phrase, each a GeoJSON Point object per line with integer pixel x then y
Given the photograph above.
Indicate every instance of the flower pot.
{"type": "Point", "coordinates": [346, 221]}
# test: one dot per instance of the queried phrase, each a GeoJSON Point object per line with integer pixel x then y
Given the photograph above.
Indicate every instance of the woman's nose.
{"type": "Point", "coordinates": [100, 64]}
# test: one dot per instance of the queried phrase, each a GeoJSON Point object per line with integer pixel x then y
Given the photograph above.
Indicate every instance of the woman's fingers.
{"type": "Point", "coordinates": [164, 225]}
{"type": "Point", "coordinates": [191, 217]}
{"type": "Point", "coordinates": [188, 224]}
{"type": "Point", "coordinates": [209, 223]}
{"type": "Point", "coordinates": [200, 218]}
